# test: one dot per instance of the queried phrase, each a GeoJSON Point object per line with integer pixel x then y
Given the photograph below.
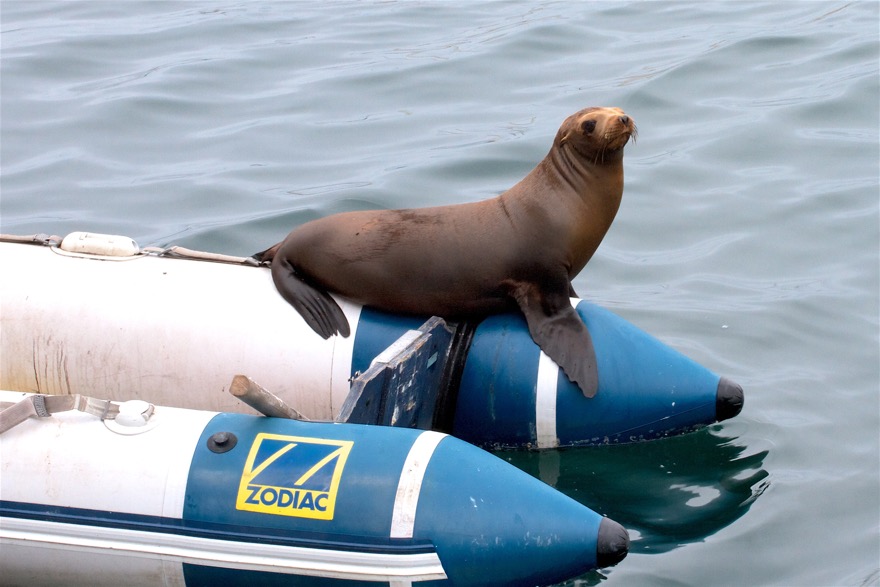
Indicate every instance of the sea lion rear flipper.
{"type": "Point", "coordinates": [318, 309]}
{"type": "Point", "coordinates": [267, 255]}
{"type": "Point", "coordinates": [561, 334]}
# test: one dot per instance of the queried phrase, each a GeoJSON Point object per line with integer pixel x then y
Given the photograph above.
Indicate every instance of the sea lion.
{"type": "Point", "coordinates": [520, 249]}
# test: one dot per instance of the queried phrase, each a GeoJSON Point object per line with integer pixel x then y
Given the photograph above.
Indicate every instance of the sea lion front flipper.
{"type": "Point", "coordinates": [561, 334]}
{"type": "Point", "coordinates": [318, 309]}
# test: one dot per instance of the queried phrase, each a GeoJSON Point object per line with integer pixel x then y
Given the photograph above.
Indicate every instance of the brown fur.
{"type": "Point", "coordinates": [520, 249]}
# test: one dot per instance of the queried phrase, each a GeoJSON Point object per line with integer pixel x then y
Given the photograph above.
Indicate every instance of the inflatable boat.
{"type": "Point", "coordinates": [173, 327]}
{"type": "Point", "coordinates": [104, 493]}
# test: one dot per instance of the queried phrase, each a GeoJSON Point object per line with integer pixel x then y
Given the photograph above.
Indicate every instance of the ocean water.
{"type": "Point", "coordinates": [748, 237]}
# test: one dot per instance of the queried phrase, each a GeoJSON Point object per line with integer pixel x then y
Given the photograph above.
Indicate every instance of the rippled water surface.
{"type": "Point", "coordinates": [748, 236]}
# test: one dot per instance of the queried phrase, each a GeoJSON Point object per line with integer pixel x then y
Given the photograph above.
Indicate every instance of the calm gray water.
{"type": "Point", "coordinates": [748, 237]}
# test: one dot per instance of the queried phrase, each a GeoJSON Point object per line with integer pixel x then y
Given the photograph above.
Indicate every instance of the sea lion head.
{"type": "Point", "coordinates": [596, 133]}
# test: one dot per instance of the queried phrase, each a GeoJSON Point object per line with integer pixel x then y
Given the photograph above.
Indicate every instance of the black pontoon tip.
{"type": "Point", "coordinates": [728, 399]}
{"type": "Point", "coordinates": [612, 544]}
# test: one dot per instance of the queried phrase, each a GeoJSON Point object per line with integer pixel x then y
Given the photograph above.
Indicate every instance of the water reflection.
{"type": "Point", "coordinates": [667, 492]}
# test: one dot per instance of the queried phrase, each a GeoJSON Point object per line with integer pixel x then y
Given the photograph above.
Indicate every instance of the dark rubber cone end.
{"type": "Point", "coordinates": [728, 399]}
{"type": "Point", "coordinates": [612, 544]}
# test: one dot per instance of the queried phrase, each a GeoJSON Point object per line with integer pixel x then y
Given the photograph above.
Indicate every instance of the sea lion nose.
{"type": "Point", "coordinates": [623, 119]}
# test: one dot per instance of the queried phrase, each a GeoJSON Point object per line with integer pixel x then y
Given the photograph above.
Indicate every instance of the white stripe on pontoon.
{"type": "Point", "coordinates": [275, 558]}
{"type": "Point", "coordinates": [545, 402]}
{"type": "Point", "coordinates": [545, 397]}
{"type": "Point", "coordinates": [403, 517]}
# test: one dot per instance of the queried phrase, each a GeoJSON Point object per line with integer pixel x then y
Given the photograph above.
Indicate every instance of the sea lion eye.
{"type": "Point", "coordinates": [588, 126]}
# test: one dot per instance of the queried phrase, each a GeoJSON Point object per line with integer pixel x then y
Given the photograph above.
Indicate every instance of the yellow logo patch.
{"type": "Point", "coordinates": [292, 476]}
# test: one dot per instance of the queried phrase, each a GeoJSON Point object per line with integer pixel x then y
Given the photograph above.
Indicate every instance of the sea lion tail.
{"type": "Point", "coordinates": [318, 309]}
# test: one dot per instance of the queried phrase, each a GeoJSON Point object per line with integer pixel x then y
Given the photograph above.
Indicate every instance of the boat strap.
{"type": "Point", "coordinates": [177, 252]}
{"type": "Point", "coordinates": [100, 245]}
{"type": "Point", "coordinates": [32, 239]}
{"type": "Point", "coordinates": [43, 406]}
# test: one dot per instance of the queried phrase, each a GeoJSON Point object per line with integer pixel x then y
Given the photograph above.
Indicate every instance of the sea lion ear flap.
{"type": "Point", "coordinates": [563, 137]}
